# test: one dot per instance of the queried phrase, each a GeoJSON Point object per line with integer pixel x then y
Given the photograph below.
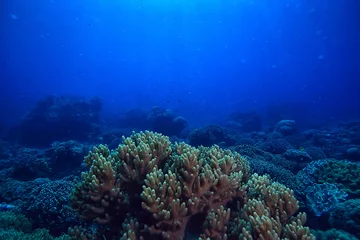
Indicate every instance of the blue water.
{"type": "Point", "coordinates": [202, 59]}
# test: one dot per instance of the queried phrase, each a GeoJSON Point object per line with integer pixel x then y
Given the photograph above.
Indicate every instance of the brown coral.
{"type": "Point", "coordinates": [148, 187]}
{"type": "Point", "coordinates": [267, 213]}
{"type": "Point", "coordinates": [196, 181]}
{"type": "Point", "coordinates": [103, 194]}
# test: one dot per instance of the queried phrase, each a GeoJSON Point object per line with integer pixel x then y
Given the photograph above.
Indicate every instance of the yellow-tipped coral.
{"type": "Point", "coordinates": [267, 213]}
{"type": "Point", "coordinates": [197, 181]}
{"type": "Point", "coordinates": [148, 187]}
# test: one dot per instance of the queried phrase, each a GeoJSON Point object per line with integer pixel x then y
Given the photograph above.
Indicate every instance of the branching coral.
{"type": "Point", "coordinates": [267, 213]}
{"type": "Point", "coordinates": [194, 181]}
{"type": "Point", "coordinates": [104, 194]}
{"type": "Point", "coordinates": [148, 187]}
{"type": "Point", "coordinates": [215, 224]}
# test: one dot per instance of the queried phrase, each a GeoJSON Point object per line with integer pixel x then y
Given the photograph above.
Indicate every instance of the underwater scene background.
{"type": "Point", "coordinates": [134, 119]}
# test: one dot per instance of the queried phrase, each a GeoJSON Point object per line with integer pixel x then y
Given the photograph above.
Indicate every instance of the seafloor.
{"type": "Point", "coordinates": [67, 172]}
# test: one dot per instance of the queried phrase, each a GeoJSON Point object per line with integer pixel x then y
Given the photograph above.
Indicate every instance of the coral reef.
{"type": "Point", "coordinates": [150, 188]}
{"type": "Point", "coordinates": [321, 198]}
{"type": "Point", "coordinates": [157, 119]}
{"type": "Point", "coordinates": [276, 146]}
{"type": "Point", "coordinates": [47, 206]}
{"type": "Point", "coordinates": [285, 127]}
{"type": "Point", "coordinates": [245, 121]}
{"type": "Point", "coordinates": [154, 188]}
{"type": "Point", "coordinates": [166, 122]}
{"type": "Point", "coordinates": [15, 226]}
{"type": "Point", "coordinates": [346, 216]}
{"type": "Point", "coordinates": [134, 119]}
{"type": "Point", "coordinates": [210, 135]}
{"type": "Point", "coordinates": [268, 212]}
{"type": "Point", "coordinates": [346, 175]}
{"type": "Point", "coordinates": [315, 153]}
{"type": "Point", "coordinates": [43, 201]}
{"type": "Point", "coordinates": [65, 157]}
{"type": "Point", "coordinates": [297, 155]}
{"type": "Point", "coordinates": [58, 119]}
{"type": "Point", "coordinates": [28, 164]}
{"type": "Point", "coordinates": [333, 234]}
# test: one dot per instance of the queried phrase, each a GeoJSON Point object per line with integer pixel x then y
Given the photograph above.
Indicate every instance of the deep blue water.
{"type": "Point", "coordinates": [276, 81]}
{"type": "Point", "coordinates": [203, 58]}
